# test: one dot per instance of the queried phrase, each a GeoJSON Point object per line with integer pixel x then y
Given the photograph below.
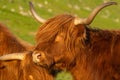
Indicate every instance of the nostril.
{"type": "Point", "coordinates": [38, 56]}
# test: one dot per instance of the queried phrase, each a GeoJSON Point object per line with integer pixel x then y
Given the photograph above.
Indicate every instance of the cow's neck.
{"type": "Point", "coordinates": [95, 57]}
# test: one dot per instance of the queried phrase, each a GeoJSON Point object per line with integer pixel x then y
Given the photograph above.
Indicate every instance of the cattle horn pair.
{"type": "Point", "coordinates": [77, 21]}
{"type": "Point", "coordinates": [13, 56]}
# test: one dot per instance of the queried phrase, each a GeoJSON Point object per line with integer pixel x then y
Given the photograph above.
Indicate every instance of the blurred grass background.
{"type": "Point", "coordinates": [16, 15]}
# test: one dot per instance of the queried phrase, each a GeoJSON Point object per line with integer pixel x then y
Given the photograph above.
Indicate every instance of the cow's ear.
{"type": "Point", "coordinates": [81, 30]}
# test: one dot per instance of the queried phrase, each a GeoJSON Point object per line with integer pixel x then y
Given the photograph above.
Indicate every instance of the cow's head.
{"type": "Point", "coordinates": [60, 39]}
{"type": "Point", "coordinates": [57, 41]}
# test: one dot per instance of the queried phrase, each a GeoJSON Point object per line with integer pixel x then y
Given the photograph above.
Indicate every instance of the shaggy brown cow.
{"type": "Point", "coordinates": [16, 69]}
{"type": "Point", "coordinates": [7, 38]}
{"type": "Point", "coordinates": [65, 41]}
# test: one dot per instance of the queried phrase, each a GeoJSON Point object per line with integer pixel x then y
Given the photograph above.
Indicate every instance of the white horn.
{"type": "Point", "coordinates": [13, 56]}
{"type": "Point", "coordinates": [93, 14]}
{"type": "Point", "coordinates": [35, 15]}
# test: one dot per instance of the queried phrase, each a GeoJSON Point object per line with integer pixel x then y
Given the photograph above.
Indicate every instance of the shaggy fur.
{"type": "Point", "coordinates": [89, 54]}
{"type": "Point", "coordinates": [7, 38]}
{"type": "Point", "coordinates": [18, 70]}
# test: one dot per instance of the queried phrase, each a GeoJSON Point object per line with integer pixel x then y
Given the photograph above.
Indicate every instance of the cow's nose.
{"type": "Point", "coordinates": [36, 57]}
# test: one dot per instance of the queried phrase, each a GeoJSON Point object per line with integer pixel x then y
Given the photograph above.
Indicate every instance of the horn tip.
{"type": "Point", "coordinates": [112, 3]}
{"type": "Point", "coordinates": [31, 4]}
{"type": "Point", "coordinates": [115, 3]}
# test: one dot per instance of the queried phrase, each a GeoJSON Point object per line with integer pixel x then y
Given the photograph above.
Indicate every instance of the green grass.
{"type": "Point", "coordinates": [64, 76]}
{"type": "Point", "coordinates": [25, 27]}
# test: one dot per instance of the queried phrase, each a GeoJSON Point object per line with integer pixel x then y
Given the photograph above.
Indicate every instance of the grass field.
{"type": "Point", "coordinates": [16, 15]}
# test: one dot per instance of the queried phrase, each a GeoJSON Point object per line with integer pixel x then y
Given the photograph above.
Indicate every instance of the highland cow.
{"type": "Point", "coordinates": [12, 68]}
{"type": "Point", "coordinates": [68, 42]}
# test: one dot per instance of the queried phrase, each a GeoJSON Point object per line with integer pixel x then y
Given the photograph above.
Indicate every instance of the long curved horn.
{"type": "Point", "coordinates": [13, 56]}
{"type": "Point", "coordinates": [91, 17]}
{"type": "Point", "coordinates": [35, 15]}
